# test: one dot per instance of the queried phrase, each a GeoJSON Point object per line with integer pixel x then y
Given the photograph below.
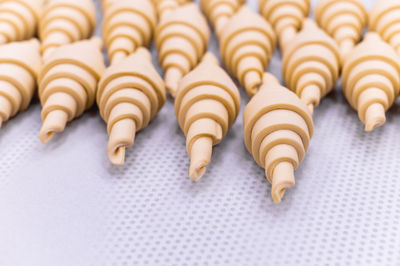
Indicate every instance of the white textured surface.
{"type": "Point", "coordinates": [64, 204]}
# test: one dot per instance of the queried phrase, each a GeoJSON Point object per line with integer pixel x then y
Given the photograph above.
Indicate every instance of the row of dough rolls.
{"type": "Point", "coordinates": [130, 92]}
{"type": "Point", "coordinates": [277, 124]}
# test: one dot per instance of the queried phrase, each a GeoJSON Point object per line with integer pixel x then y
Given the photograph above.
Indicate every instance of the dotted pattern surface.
{"type": "Point", "coordinates": [64, 204]}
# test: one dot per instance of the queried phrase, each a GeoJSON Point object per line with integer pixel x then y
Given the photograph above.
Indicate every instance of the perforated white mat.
{"type": "Point", "coordinates": [64, 204]}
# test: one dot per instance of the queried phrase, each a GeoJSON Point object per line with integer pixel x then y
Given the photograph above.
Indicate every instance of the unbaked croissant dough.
{"type": "Point", "coordinates": [19, 19]}
{"type": "Point", "coordinates": [65, 21]}
{"type": "Point", "coordinates": [19, 64]}
{"type": "Point", "coordinates": [344, 20]}
{"type": "Point", "coordinates": [285, 16]}
{"type": "Point", "coordinates": [206, 105]}
{"type": "Point", "coordinates": [127, 25]}
{"type": "Point", "coordinates": [220, 11]}
{"type": "Point", "coordinates": [384, 18]}
{"type": "Point", "coordinates": [181, 39]}
{"type": "Point", "coordinates": [68, 83]}
{"type": "Point", "coordinates": [277, 132]}
{"type": "Point", "coordinates": [310, 64]}
{"type": "Point", "coordinates": [166, 7]}
{"type": "Point", "coordinates": [130, 94]}
{"type": "Point", "coordinates": [247, 43]}
{"type": "Point", "coordinates": [371, 79]}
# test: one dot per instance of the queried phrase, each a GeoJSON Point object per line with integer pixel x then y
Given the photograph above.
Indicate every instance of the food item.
{"type": "Point", "coordinates": [130, 94]}
{"type": "Point", "coordinates": [128, 24]}
{"type": "Point", "coordinates": [206, 105]}
{"type": "Point", "coordinates": [371, 79]}
{"type": "Point", "coordinates": [277, 131]}
{"type": "Point", "coordinates": [19, 19]}
{"type": "Point", "coordinates": [310, 64]}
{"type": "Point", "coordinates": [220, 11]}
{"type": "Point", "coordinates": [65, 21]}
{"type": "Point", "coordinates": [165, 7]}
{"type": "Point", "coordinates": [181, 39]}
{"type": "Point", "coordinates": [68, 83]}
{"type": "Point", "coordinates": [285, 16]}
{"type": "Point", "coordinates": [344, 20]}
{"type": "Point", "coordinates": [19, 63]}
{"type": "Point", "coordinates": [247, 44]}
{"type": "Point", "coordinates": [384, 18]}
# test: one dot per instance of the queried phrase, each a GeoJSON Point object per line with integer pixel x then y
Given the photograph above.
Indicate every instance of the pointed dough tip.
{"type": "Point", "coordinates": [377, 122]}
{"type": "Point", "coordinates": [374, 117]}
{"type": "Point", "coordinates": [310, 107]}
{"type": "Point", "coordinates": [117, 155]}
{"type": "Point", "coordinates": [251, 82]}
{"type": "Point", "coordinates": [172, 78]}
{"type": "Point", "coordinates": [46, 136]}
{"type": "Point", "coordinates": [196, 172]}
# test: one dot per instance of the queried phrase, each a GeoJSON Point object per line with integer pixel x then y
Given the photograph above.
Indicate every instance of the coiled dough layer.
{"type": "Point", "coordinates": [344, 20]}
{"type": "Point", "coordinates": [371, 79]}
{"type": "Point", "coordinates": [181, 39]}
{"type": "Point", "coordinates": [247, 44]}
{"type": "Point", "coordinates": [384, 18]}
{"type": "Point", "coordinates": [165, 7]}
{"type": "Point", "coordinates": [219, 12]}
{"type": "Point", "coordinates": [206, 106]}
{"type": "Point", "coordinates": [130, 94]}
{"type": "Point", "coordinates": [277, 131]}
{"type": "Point", "coordinates": [311, 64]}
{"type": "Point", "coordinates": [128, 24]}
{"type": "Point", "coordinates": [68, 83]}
{"type": "Point", "coordinates": [19, 64]}
{"type": "Point", "coordinates": [285, 16]}
{"type": "Point", "coordinates": [19, 19]}
{"type": "Point", "coordinates": [66, 21]}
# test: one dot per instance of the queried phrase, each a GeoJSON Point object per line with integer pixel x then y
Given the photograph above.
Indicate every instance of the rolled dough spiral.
{"type": "Point", "coordinates": [128, 24]}
{"type": "Point", "coordinates": [247, 44]}
{"type": "Point", "coordinates": [206, 105]}
{"type": "Point", "coordinates": [130, 94]}
{"type": "Point", "coordinates": [19, 19]}
{"type": "Point", "coordinates": [19, 64]}
{"type": "Point", "coordinates": [277, 131]}
{"type": "Point", "coordinates": [344, 20]}
{"type": "Point", "coordinates": [220, 11]}
{"type": "Point", "coordinates": [66, 21]}
{"type": "Point", "coordinates": [384, 18]}
{"type": "Point", "coordinates": [285, 16]}
{"type": "Point", "coordinates": [68, 84]}
{"type": "Point", "coordinates": [371, 79]}
{"type": "Point", "coordinates": [181, 39]}
{"type": "Point", "coordinates": [310, 64]}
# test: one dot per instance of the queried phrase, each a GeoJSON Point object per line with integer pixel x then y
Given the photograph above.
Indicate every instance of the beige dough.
{"type": "Point", "coordinates": [277, 132]}
{"type": "Point", "coordinates": [19, 63]}
{"type": "Point", "coordinates": [247, 43]}
{"type": "Point", "coordinates": [310, 64]}
{"type": "Point", "coordinates": [371, 79]}
{"type": "Point", "coordinates": [384, 18]}
{"type": "Point", "coordinates": [166, 7]}
{"type": "Point", "coordinates": [130, 94]}
{"type": "Point", "coordinates": [220, 11]}
{"type": "Point", "coordinates": [181, 39]}
{"type": "Point", "coordinates": [65, 21]}
{"type": "Point", "coordinates": [285, 16]}
{"type": "Point", "coordinates": [206, 105]}
{"type": "Point", "coordinates": [68, 83]}
{"type": "Point", "coordinates": [127, 25]}
{"type": "Point", "coordinates": [19, 19]}
{"type": "Point", "coordinates": [344, 20]}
